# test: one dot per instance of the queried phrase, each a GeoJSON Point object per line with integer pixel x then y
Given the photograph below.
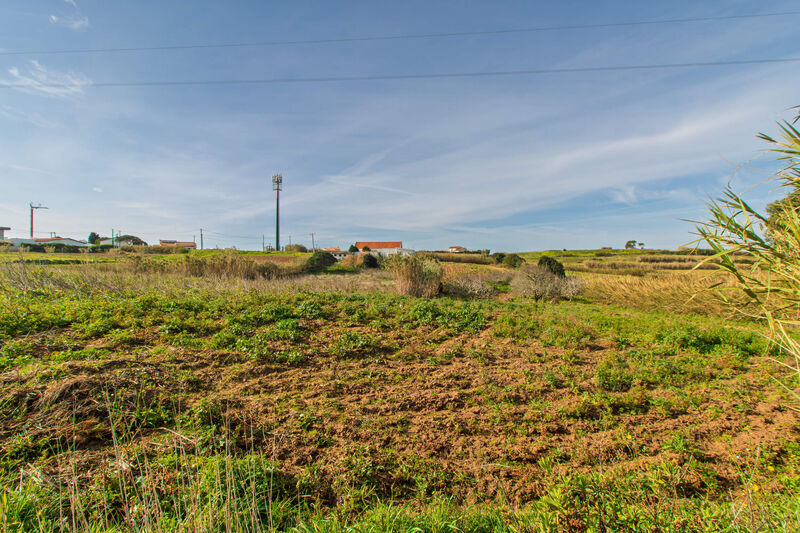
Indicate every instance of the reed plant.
{"type": "Point", "coordinates": [771, 283]}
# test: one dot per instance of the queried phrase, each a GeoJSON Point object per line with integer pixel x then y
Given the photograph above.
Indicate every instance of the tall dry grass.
{"type": "Point", "coordinates": [687, 292]}
{"type": "Point", "coordinates": [415, 275]}
{"type": "Point", "coordinates": [226, 264]}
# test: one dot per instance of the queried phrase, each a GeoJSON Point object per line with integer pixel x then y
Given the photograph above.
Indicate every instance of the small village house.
{"type": "Point", "coordinates": [178, 244]}
{"type": "Point", "coordinates": [3, 230]}
{"type": "Point", "coordinates": [457, 249]}
{"type": "Point", "coordinates": [384, 247]}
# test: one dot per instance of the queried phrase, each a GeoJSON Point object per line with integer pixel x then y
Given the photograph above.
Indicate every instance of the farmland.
{"type": "Point", "coordinates": [155, 400]}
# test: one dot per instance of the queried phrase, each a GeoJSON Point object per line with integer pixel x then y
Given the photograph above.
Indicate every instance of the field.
{"type": "Point", "coordinates": [159, 401]}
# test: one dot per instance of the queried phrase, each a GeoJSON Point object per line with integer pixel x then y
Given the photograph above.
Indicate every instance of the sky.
{"type": "Point", "coordinates": [520, 162]}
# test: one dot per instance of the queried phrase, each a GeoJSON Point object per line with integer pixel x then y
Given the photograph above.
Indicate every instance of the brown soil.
{"type": "Point", "coordinates": [472, 425]}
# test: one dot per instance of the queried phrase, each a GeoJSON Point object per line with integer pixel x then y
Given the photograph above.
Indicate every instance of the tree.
{"type": "Point", "coordinates": [553, 265]}
{"type": "Point", "coordinates": [320, 261]}
{"type": "Point", "coordinates": [133, 239]}
{"type": "Point", "coordinates": [513, 260]}
{"type": "Point", "coordinates": [370, 261]}
{"type": "Point", "coordinates": [366, 249]}
{"type": "Point", "coordinates": [352, 248]}
{"type": "Point", "coordinates": [641, 245]}
{"type": "Point", "coordinates": [93, 238]}
{"type": "Point", "coordinates": [631, 244]}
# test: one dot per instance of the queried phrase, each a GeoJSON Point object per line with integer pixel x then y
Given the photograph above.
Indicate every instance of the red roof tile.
{"type": "Point", "coordinates": [375, 245]}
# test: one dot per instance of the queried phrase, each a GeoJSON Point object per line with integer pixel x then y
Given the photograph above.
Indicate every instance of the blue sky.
{"type": "Point", "coordinates": [571, 160]}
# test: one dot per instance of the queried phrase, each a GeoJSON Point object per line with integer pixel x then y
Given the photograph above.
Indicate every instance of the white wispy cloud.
{"type": "Point", "coordinates": [97, 189]}
{"type": "Point", "coordinates": [19, 115]}
{"type": "Point", "coordinates": [74, 21]}
{"type": "Point", "coordinates": [40, 80]}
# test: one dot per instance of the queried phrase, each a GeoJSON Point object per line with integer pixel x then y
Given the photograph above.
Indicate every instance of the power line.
{"type": "Point", "coordinates": [398, 37]}
{"type": "Point", "coordinates": [391, 77]}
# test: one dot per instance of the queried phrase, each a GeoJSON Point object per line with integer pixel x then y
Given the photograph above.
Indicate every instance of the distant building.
{"type": "Point", "coordinates": [49, 241]}
{"type": "Point", "coordinates": [338, 253]}
{"type": "Point", "coordinates": [60, 240]}
{"type": "Point", "coordinates": [384, 247]}
{"type": "Point", "coordinates": [185, 244]}
{"type": "Point", "coordinates": [3, 231]}
{"type": "Point", "coordinates": [107, 241]}
{"type": "Point", "coordinates": [457, 249]}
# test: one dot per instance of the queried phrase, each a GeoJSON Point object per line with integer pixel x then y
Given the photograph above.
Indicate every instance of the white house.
{"type": "Point", "coordinates": [384, 247]}
{"type": "Point", "coordinates": [60, 240]}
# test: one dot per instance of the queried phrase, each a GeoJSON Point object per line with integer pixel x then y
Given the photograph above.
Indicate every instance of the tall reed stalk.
{"type": "Point", "coordinates": [772, 282]}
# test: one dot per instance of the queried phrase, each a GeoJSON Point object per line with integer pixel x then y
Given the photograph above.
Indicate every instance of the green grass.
{"type": "Point", "coordinates": [238, 405]}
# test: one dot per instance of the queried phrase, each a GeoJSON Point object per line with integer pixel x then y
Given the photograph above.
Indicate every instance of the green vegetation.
{"type": "Point", "coordinates": [771, 243]}
{"type": "Point", "coordinates": [329, 403]}
{"type": "Point", "coordinates": [553, 265]}
{"type": "Point", "coordinates": [320, 261]}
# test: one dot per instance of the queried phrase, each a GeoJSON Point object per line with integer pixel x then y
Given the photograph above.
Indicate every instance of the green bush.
{"type": "Point", "coordinates": [553, 265]}
{"type": "Point", "coordinates": [295, 248]}
{"type": "Point", "coordinates": [513, 261]}
{"type": "Point", "coordinates": [498, 257]}
{"type": "Point", "coordinates": [369, 261]}
{"type": "Point", "coordinates": [320, 261]}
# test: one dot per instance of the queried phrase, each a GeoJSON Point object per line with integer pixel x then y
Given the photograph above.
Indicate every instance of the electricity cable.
{"type": "Point", "coordinates": [392, 77]}
{"type": "Point", "coordinates": [443, 35]}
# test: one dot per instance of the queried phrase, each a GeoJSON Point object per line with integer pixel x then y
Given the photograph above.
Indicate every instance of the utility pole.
{"type": "Point", "coordinates": [277, 185]}
{"type": "Point", "coordinates": [263, 249]}
{"type": "Point", "coordinates": [112, 237]}
{"type": "Point", "coordinates": [201, 238]}
{"type": "Point", "coordinates": [37, 206]}
{"type": "Point", "coordinates": [313, 248]}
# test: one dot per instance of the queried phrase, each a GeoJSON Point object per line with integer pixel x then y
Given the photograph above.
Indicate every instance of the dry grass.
{"type": "Point", "coordinates": [459, 258]}
{"type": "Point", "coordinates": [679, 292]}
{"type": "Point", "coordinates": [227, 264]}
{"type": "Point", "coordinates": [416, 276]}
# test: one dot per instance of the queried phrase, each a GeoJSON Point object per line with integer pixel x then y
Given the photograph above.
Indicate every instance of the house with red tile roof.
{"type": "Point", "coordinates": [187, 244]}
{"type": "Point", "coordinates": [384, 247]}
{"type": "Point", "coordinates": [379, 245]}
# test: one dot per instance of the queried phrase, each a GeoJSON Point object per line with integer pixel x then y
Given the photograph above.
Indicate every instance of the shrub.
{"type": "Point", "coordinates": [369, 261]}
{"type": "Point", "coordinates": [469, 286]}
{"type": "Point", "coordinates": [32, 248]}
{"type": "Point", "coordinates": [295, 248]}
{"type": "Point", "coordinates": [513, 261]}
{"type": "Point", "coordinates": [99, 248]}
{"type": "Point", "coordinates": [542, 284]}
{"type": "Point", "coordinates": [415, 276]}
{"type": "Point", "coordinates": [320, 261]}
{"type": "Point", "coordinates": [498, 257]}
{"type": "Point", "coordinates": [553, 265]}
